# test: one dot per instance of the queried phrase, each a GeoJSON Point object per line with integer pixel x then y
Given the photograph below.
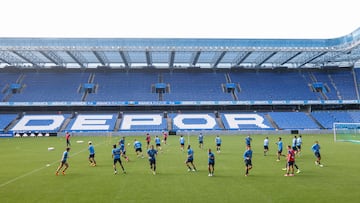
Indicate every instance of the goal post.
{"type": "Point", "coordinates": [346, 132]}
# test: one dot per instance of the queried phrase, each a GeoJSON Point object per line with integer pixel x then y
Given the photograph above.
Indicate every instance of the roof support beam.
{"type": "Point", "coordinates": [26, 57]}
{"type": "Point", "coordinates": [124, 59]}
{"type": "Point", "coordinates": [291, 58]}
{"type": "Point", "coordinates": [195, 58]}
{"type": "Point", "coordinates": [4, 61]}
{"type": "Point", "coordinates": [266, 58]}
{"type": "Point", "coordinates": [243, 57]}
{"type": "Point", "coordinates": [77, 57]}
{"type": "Point", "coordinates": [101, 57]}
{"type": "Point", "coordinates": [330, 56]}
{"type": "Point", "coordinates": [219, 58]}
{"type": "Point", "coordinates": [4, 58]}
{"type": "Point", "coordinates": [148, 58]}
{"type": "Point", "coordinates": [8, 58]}
{"type": "Point", "coordinates": [51, 56]}
{"type": "Point", "coordinates": [172, 59]}
{"type": "Point", "coordinates": [312, 58]}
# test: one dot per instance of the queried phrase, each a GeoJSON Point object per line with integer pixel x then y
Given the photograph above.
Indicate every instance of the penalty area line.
{"type": "Point", "coordinates": [22, 176]}
{"type": "Point", "coordinates": [36, 170]}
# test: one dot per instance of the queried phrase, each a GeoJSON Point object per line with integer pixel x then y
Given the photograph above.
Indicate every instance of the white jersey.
{"type": "Point", "coordinates": [298, 141]}
{"type": "Point", "coordinates": [294, 142]}
{"type": "Point", "coordinates": [266, 142]}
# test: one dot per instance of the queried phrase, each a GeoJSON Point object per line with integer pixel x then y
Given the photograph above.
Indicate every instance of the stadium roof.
{"type": "Point", "coordinates": [179, 52]}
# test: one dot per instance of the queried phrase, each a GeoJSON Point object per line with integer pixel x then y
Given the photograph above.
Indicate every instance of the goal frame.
{"type": "Point", "coordinates": [343, 123]}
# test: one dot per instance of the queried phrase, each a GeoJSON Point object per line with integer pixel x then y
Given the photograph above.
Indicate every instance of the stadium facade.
{"type": "Point", "coordinates": [120, 85]}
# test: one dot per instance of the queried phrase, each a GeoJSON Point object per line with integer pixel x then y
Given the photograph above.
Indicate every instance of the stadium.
{"type": "Point", "coordinates": [178, 84]}
{"type": "Point", "coordinates": [105, 88]}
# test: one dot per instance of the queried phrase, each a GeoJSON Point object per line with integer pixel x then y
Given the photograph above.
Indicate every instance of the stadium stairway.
{"type": "Point", "coordinates": [335, 87]}
{"type": "Point", "coordinates": [169, 123]}
{"type": "Point", "coordinates": [10, 125]}
{"type": "Point", "coordinates": [66, 122]}
{"type": "Point", "coordinates": [316, 121]}
{"type": "Point", "coordinates": [219, 121]}
{"type": "Point", "coordinates": [118, 121]}
{"type": "Point", "coordinates": [273, 124]}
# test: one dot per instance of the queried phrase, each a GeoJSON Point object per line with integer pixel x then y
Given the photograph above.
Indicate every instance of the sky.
{"type": "Point", "coordinates": [275, 19]}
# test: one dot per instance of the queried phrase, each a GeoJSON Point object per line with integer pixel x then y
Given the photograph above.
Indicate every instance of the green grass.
{"type": "Point", "coordinates": [24, 176]}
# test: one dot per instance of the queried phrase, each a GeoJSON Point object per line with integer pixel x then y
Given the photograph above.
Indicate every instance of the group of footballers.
{"type": "Point", "coordinates": [119, 151]}
{"type": "Point", "coordinates": [293, 150]}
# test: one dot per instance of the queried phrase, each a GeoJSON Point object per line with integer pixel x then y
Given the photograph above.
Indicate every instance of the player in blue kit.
{"type": "Point", "coordinates": [158, 143]}
{"type": "Point", "coordinates": [218, 143]}
{"type": "Point", "coordinates": [63, 162]}
{"type": "Point", "coordinates": [122, 141]}
{"type": "Point", "coordinates": [123, 151]}
{"type": "Point", "coordinates": [316, 149]}
{"type": "Point", "coordinates": [152, 158]}
{"type": "Point", "coordinates": [211, 163]}
{"type": "Point", "coordinates": [247, 160]}
{"type": "Point", "coordinates": [138, 148]}
{"type": "Point", "coordinates": [280, 149]}
{"type": "Point", "coordinates": [182, 142]}
{"type": "Point", "coordinates": [201, 140]}
{"type": "Point", "coordinates": [91, 154]}
{"type": "Point", "coordinates": [190, 159]}
{"type": "Point", "coordinates": [116, 154]}
{"type": "Point", "coordinates": [248, 140]}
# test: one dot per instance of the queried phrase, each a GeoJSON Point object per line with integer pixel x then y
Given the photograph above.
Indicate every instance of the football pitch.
{"type": "Point", "coordinates": [27, 172]}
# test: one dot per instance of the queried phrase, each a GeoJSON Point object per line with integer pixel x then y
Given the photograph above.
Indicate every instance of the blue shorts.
{"type": "Point", "coordinates": [152, 161]}
{"type": "Point", "coordinates": [317, 154]}
{"type": "Point", "coordinates": [117, 160]}
{"type": "Point", "coordinates": [247, 162]}
{"type": "Point", "coordinates": [211, 163]}
{"type": "Point", "coordinates": [189, 160]}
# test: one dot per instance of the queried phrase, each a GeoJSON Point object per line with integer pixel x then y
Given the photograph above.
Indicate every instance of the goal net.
{"type": "Point", "coordinates": [347, 132]}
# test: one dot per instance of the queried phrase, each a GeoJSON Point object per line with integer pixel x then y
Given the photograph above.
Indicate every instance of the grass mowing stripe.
{"type": "Point", "coordinates": [338, 178]}
{"type": "Point", "coordinates": [39, 169]}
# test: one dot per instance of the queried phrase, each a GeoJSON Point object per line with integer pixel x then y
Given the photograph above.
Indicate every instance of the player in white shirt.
{"type": "Point", "coordinates": [266, 145]}
{"type": "Point", "coordinates": [298, 144]}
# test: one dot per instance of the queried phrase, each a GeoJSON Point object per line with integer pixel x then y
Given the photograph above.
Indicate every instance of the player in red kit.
{"type": "Point", "coordinates": [67, 137]}
{"type": "Point", "coordinates": [165, 136]}
{"type": "Point", "coordinates": [148, 139]}
{"type": "Point", "coordinates": [290, 162]}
